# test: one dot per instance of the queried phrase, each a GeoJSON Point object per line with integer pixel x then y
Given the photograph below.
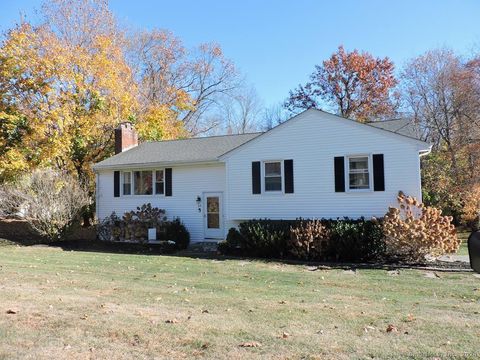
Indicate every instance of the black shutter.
{"type": "Point", "coordinates": [116, 183]}
{"type": "Point", "coordinates": [339, 165]}
{"type": "Point", "coordinates": [168, 182]}
{"type": "Point", "coordinates": [288, 168]}
{"type": "Point", "coordinates": [378, 173]}
{"type": "Point", "coordinates": [256, 186]}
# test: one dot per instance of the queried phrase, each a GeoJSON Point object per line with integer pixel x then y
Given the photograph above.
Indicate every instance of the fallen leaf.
{"type": "Point", "coordinates": [368, 328]}
{"type": "Point", "coordinates": [84, 317]}
{"type": "Point", "coordinates": [205, 311]}
{"type": "Point", "coordinates": [393, 272]}
{"type": "Point", "coordinates": [250, 344]}
{"type": "Point", "coordinates": [391, 328]}
{"type": "Point", "coordinates": [285, 335]}
{"type": "Point", "coordinates": [432, 275]}
{"type": "Point", "coordinates": [11, 311]}
{"type": "Point", "coordinates": [410, 318]}
{"type": "Point", "coordinates": [171, 321]}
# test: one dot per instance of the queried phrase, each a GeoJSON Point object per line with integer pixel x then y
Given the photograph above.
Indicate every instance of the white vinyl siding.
{"type": "Point", "coordinates": [188, 182]}
{"type": "Point", "coordinates": [313, 139]}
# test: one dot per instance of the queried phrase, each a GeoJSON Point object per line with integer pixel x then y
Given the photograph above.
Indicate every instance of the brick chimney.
{"type": "Point", "coordinates": [125, 137]}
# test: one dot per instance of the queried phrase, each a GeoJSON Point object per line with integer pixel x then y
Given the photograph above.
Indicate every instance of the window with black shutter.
{"type": "Point", "coordinates": [339, 171]}
{"type": "Point", "coordinates": [256, 181]}
{"type": "Point", "coordinates": [288, 169]}
{"type": "Point", "coordinates": [378, 173]}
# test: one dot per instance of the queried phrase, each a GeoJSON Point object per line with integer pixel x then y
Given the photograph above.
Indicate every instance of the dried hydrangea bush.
{"type": "Point", "coordinates": [414, 230]}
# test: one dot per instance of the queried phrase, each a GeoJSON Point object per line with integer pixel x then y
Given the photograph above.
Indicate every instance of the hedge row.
{"type": "Point", "coordinates": [338, 240]}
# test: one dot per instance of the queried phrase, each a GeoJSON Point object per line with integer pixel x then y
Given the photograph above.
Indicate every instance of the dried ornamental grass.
{"type": "Point", "coordinates": [309, 240]}
{"type": "Point", "coordinates": [414, 230]}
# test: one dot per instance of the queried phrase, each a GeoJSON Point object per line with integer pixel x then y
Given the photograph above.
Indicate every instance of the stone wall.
{"type": "Point", "coordinates": [21, 231]}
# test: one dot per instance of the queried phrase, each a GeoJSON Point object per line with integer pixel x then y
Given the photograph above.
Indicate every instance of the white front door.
{"type": "Point", "coordinates": [213, 215]}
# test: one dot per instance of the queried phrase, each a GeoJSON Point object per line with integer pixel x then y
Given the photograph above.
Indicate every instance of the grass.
{"type": "Point", "coordinates": [463, 250]}
{"type": "Point", "coordinates": [72, 304]}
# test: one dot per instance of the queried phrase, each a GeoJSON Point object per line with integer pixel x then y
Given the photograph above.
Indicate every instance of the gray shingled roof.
{"type": "Point", "coordinates": [203, 149]}
{"type": "Point", "coordinates": [399, 126]}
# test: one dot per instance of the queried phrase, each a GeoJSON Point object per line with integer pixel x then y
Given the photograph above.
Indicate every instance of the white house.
{"type": "Point", "coordinates": [315, 165]}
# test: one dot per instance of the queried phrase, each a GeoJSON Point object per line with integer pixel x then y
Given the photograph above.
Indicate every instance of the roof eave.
{"type": "Point", "coordinates": [98, 167]}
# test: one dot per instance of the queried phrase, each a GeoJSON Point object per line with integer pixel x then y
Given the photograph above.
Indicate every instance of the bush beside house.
{"type": "Point", "coordinates": [307, 239]}
{"type": "Point", "coordinates": [407, 233]}
{"type": "Point", "coordinates": [414, 230]}
{"type": "Point", "coordinates": [133, 226]}
{"type": "Point", "coordinates": [50, 202]}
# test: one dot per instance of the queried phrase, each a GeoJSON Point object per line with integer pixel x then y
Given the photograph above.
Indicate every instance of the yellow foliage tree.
{"type": "Point", "coordinates": [67, 83]}
{"type": "Point", "coordinates": [70, 96]}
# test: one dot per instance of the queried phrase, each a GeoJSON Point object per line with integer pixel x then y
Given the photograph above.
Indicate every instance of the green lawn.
{"type": "Point", "coordinates": [463, 246]}
{"type": "Point", "coordinates": [100, 305]}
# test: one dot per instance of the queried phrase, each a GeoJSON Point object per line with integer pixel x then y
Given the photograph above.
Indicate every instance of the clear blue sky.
{"type": "Point", "coordinates": [277, 43]}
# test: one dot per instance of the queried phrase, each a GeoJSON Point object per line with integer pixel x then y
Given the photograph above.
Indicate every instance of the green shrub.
{"type": "Point", "coordinates": [355, 240]}
{"type": "Point", "coordinates": [178, 233]}
{"type": "Point", "coordinates": [338, 240]}
{"type": "Point", "coordinates": [265, 238]}
{"type": "Point", "coordinates": [233, 244]}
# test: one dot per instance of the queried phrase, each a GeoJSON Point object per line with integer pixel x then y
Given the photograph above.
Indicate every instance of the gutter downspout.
{"type": "Point", "coordinates": [420, 154]}
{"type": "Point", "coordinates": [425, 152]}
{"type": "Point", "coordinates": [97, 195]}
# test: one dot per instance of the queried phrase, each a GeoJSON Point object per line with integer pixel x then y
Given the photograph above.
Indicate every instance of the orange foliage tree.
{"type": "Point", "coordinates": [356, 84]}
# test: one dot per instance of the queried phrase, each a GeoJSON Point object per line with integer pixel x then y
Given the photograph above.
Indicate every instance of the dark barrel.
{"type": "Point", "coordinates": [474, 250]}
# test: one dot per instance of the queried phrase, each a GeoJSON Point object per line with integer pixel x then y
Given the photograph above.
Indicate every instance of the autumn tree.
{"type": "Point", "coordinates": [442, 92]}
{"type": "Point", "coordinates": [274, 115]}
{"type": "Point", "coordinates": [241, 111]}
{"type": "Point", "coordinates": [184, 84]}
{"type": "Point", "coordinates": [356, 85]}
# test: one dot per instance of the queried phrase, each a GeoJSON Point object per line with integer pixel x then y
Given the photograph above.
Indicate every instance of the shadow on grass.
{"type": "Point", "coordinates": [98, 246]}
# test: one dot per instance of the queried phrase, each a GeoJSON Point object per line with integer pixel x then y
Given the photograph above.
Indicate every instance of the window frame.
{"type": "Point", "coordinates": [154, 185]}
{"type": "Point", "coordinates": [369, 169]}
{"type": "Point", "coordinates": [123, 183]}
{"type": "Point", "coordinates": [263, 175]}
{"type": "Point", "coordinates": [132, 182]}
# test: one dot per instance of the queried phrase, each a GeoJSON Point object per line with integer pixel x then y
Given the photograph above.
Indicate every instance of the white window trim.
{"type": "Point", "coordinates": [272, 192]}
{"type": "Point", "coordinates": [132, 182]}
{"type": "Point", "coordinates": [347, 173]}
{"type": "Point", "coordinates": [123, 183]}
{"type": "Point", "coordinates": [154, 180]}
